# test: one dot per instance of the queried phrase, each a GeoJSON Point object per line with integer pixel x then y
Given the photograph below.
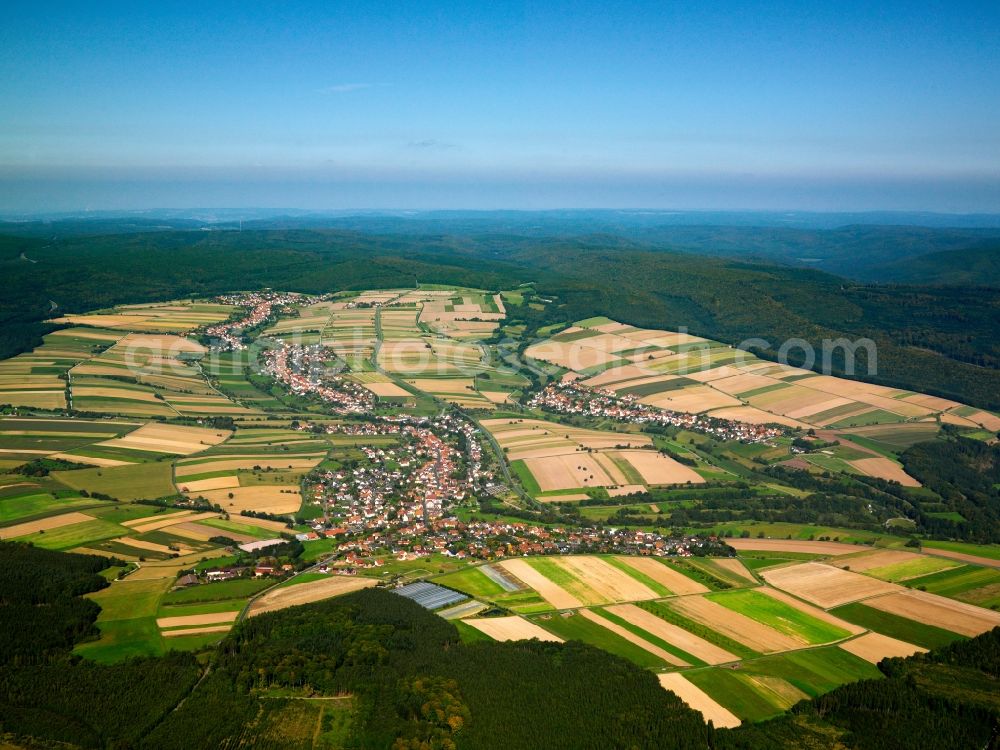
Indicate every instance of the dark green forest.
{"type": "Point", "coordinates": [935, 339]}
{"type": "Point", "coordinates": [394, 675]}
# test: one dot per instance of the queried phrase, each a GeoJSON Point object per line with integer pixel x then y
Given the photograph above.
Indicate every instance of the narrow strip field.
{"type": "Point", "coordinates": [305, 593]}
{"type": "Point", "coordinates": [699, 700]}
{"type": "Point", "coordinates": [550, 592]}
{"type": "Point", "coordinates": [511, 628]}
{"type": "Point", "coordinates": [875, 647]}
{"type": "Point", "coordinates": [631, 637]}
{"type": "Point", "coordinates": [675, 582]}
{"type": "Point", "coordinates": [673, 634]}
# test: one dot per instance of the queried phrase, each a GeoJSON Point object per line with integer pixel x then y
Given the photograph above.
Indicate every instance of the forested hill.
{"type": "Point", "coordinates": [940, 340]}
{"type": "Point", "coordinates": [978, 265]}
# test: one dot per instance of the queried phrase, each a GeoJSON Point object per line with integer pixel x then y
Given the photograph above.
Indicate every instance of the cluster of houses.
{"type": "Point", "coordinates": [435, 465]}
{"type": "Point", "coordinates": [573, 398]}
{"type": "Point", "coordinates": [303, 370]}
{"type": "Point", "coordinates": [494, 539]}
{"type": "Point", "coordinates": [228, 336]}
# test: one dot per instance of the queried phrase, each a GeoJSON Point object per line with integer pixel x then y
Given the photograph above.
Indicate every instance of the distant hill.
{"type": "Point", "coordinates": [970, 266]}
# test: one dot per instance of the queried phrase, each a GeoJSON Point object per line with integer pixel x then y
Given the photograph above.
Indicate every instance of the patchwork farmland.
{"type": "Point", "coordinates": [732, 644]}
{"type": "Point", "coordinates": [684, 373]}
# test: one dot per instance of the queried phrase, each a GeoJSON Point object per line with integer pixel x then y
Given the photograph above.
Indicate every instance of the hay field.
{"type": "Point", "coordinates": [738, 627]}
{"type": "Point", "coordinates": [699, 700]}
{"type": "Point", "coordinates": [165, 438]}
{"type": "Point", "coordinates": [794, 545]}
{"type": "Point", "coordinates": [279, 499]}
{"type": "Point", "coordinates": [632, 638]}
{"type": "Point", "coordinates": [673, 634]}
{"type": "Point", "coordinates": [674, 581]}
{"type": "Point", "coordinates": [44, 524]}
{"type": "Point", "coordinates": [178, 316]}
{"type": "Point", "coordinates": [931, 609]}
{"type": "Point", "coordinates": [826, 586]}
{"type": "Point", "coordinates": [554, 594]}
{"type": "Point", "coordinates": [874, 647]}
{"type": "Point", "coordinates": [305, 593]}
{"type": "Point", "coordinates": [511, 628]}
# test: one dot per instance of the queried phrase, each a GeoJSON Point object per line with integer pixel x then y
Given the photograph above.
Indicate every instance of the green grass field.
{"type": "Point", "coordinates": [473, 582]}
{"type": "Point", "coordinates": [737, 693]}
{"type": "Point", "coordinates": [75, 535]}
{"type": "Point", "coordinates": [902, 571]}
{"type": "Point", "coordinates": [780, 616]}
{"type": "Point", "coordinates": [966, 583]}
{"type": "Point", "coordinates": [577, 628]}
{"type": "Point", "coordinates": [238, 528]}
{"type": "Point", "coordinates": [895, 626]}
{"type": "Point", "coordinates": [666, 646]}
{"type": "Point", "coordinates": [34, 505]}
{"type": "Point", "coordinates": [990, 551]}
{"type": "Point", "coordinates": [147, 481]}
{"type": "Point", "coordinates": [220, 591]}
{"type": "Point", "coordinates": [814, 671]}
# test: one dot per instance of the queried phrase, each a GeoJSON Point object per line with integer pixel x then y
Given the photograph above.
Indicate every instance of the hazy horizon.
{"type": "Point", "coordinates": [519, 105]}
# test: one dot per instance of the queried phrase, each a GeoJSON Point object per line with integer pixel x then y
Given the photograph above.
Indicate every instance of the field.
{"type": "Point", "coordinates": [304, 593]}
{"type": "Point", "coordinates": [825, 586]}
{"type": "Point", "coordinates": [784, 648]}
{"type": "Point", "coordinates": [553, 457]}
{"type": "Point", "coordinates": [510, 629]}
{"type": "Point", "coordinates": [679, 372]}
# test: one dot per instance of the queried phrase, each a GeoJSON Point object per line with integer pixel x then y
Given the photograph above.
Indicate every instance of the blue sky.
{"type": "Point", "coordinates": [836, 106]}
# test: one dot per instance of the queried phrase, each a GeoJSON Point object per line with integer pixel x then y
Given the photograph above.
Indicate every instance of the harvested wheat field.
{"type": "Point", "coordinates": [672, 634]}
{"type": "Point", "coordinates": [193, 620]}
{"type": "Point", "coordinates": [152, 546]}
{"type": "Point", "coordinates": [810, 610]}
{"type": "Point", "coordinates": [159, 522]}
{"type": "Point", "coordinates": [656, 468]}
{"type": "Point", "coordinates": [875, 647]}
{"type": "Point", "coordinates": [555, 595]}
{"type": "Point", "coordinates": [103, 463]}
{"type": "Point", "coordinates": [511, 628]}
{"type": "Point", "coordinates": [794, 545]}
{"type": "Point", "coordinates": [676, 582]}
{"type": "Point", "coordinates": [931, 609]}
{"type": "Point", "coordinates": [43, 524]}
{"type": "Point", "coordinates": [305, 593]}
{"type": "Point", "coordinates": [278, 498]}
{"type": "Point", "coordinates": [826, 586]}
{"type": "Point", "coordinates": [173, 517]}
{"type": "Point", "coordinates": [631, 637]}
{"type": "Point", "coordinates": [167, 438]}
{"type": "Point", "coordinates": [215, 483]}
{"type": "Point", "coordinates": [606, 580]}
{"type": "Point", "coordinates": [733, 625]}
{"type": "Point", "coordinates": [698, 699]}
{"type": "Point", "coordinates": [570, 471]}
{"type": "Point", "coordinates": [197, 631]}
{"type": "Point", "coordinates": [753, 415]}
{"type": "Point", "coordinates": [883, 468]}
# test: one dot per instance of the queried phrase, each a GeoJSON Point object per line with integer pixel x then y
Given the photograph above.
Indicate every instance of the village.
{"type": "Point", "coordinates": [228, 336]}
{"type": "Point", "coordinates": [573, 398]}
{"type": "Point", "coordinates": [305, 370]}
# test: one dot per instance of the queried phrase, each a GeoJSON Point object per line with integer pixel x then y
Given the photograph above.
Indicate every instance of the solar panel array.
{"type": "Point", "coordinates": [429, 596]}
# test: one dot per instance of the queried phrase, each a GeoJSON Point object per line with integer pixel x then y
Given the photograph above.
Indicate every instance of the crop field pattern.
{"type": "Point", "coordinates": [157, 449]}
